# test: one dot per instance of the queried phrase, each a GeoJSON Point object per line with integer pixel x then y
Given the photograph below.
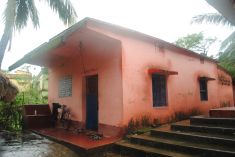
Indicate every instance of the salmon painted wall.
{"type": "Point", "coordinates": [142, 53]}
{"type": "Point", "coordinates": [182, 90]}
{"type": "Point", "coordinates": [107, 67]}
{"type": "Point", "coordinates": [225, 88]}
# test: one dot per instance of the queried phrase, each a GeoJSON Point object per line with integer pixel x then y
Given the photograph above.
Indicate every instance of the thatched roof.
{"type": "Point", "coordinates": [8, 91]}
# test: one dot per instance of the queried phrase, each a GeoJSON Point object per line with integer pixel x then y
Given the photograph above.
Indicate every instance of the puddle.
{"type": "Point", "coordinates": [28, 144]}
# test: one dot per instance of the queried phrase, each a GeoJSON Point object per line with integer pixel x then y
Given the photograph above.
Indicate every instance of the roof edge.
{"type": "Point", "coordinates": [152, 38]}
{"type": "Point", "coordinates": [61, 37]}
{"type": "Point", "coordinates": [47, 46]}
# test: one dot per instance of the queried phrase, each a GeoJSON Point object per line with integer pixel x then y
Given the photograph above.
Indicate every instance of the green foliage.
{"type": "Point", "coordinates": [31, 96]}
{"type": "Point", "coordinates": [190, 41]}
{"type": "Point", "coordinates": [227, 62]}
{"type": "Point", "coordinates": [141, 124]}
{"type": "Point", "coordinates": [196, 42]}
{"type": "Point", "coordinates": [11, 113]}
{"type": "Point", "coordinates": [227, 56]}
{"type": "Point", "coordinates": [10, 116]}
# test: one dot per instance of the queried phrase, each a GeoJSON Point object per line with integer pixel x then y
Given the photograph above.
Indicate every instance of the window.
{"type": "Point", "coordinates": [65, 86]}
{"type": "Point", "coordinates": [203, 89]}
{"type": "Point", "coordinates": [159, 90]}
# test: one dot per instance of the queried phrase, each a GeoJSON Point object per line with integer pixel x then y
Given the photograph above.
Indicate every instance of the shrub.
{"type": "Point", "coordinates": [145, 121]}
{"type": "Point", "coordinates": [10, 116]}
{"type": "Point", "coordinates": [140, 123]}
{"type": "Point", "coordinates": [131, 126]}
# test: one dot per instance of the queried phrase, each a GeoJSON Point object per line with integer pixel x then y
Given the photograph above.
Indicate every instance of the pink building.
{"type": "Point", "coordinates": [107, 74]}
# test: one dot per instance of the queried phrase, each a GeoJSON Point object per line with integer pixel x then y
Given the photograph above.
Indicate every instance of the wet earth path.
{"type": "Point", "coordinates": [28, 144]}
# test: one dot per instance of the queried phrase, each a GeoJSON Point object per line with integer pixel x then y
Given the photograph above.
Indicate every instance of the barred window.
{"type": "Point", "coordinates": [65, 86]}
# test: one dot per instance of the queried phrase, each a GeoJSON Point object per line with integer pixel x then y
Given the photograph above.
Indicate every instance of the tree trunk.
{"type": "Point", "coordinates": [3, 45]}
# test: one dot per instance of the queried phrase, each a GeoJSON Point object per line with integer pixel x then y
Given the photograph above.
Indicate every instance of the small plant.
{"type": "Point", "coordinates": [225, 104]}
{"type": "Point", "coordinates": [155, 122]}
{"type": "Point", "coordinates": [137, 123]}
{"type": "Point", "coordinates": [141, 124]}
{"type": "Point", "coordinates": [145, 121]}
{"type": "Point", "coordinates": [131, 126]}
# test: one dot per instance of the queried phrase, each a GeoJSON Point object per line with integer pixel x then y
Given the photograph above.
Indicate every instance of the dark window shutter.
{"type": "Point", "coordinates": [159, 90]}
{"type": "Point", "coordinates": [203, 90]}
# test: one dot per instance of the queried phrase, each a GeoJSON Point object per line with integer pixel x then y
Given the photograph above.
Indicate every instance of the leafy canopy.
{"type": "Point", "coordinates": [196, 42]}
{"type": "Point", "coordinates": [227, 55]}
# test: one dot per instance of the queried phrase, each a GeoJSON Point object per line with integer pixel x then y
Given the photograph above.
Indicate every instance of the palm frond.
{"type": "Point", "coordinates": [229, 53]}
{"type": "Point", "coordinates": [64, 9]}
{"type": "Point", "coordinates": [230, 39]}
{"type": "Point", "coordinates": [33, 12]}
{"type": "Point", "coordinates": [9, 16]}
{"type": "Point", "coordinates": [24, 10]}
{"type": "Point", "coordinates": [9, 20]}
{"type": "Point", "coordinates": [22, 14]}
{"type": "Point", "coordinates": [211, 18]}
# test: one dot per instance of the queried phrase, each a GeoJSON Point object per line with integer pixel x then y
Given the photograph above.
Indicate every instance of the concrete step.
{"type": "Point", "coordinates": [135, 150]}
{"type": "Point", "coordinates": [209, 121]}
{"type": "Point", "coordinates": [196, 138]}
{"type": "Point", "coordinates": [225, 132]}
{"type": "Point", "coordinates": [182, 146]}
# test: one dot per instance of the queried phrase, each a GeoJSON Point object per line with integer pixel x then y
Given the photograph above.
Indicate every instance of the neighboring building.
{"type": "Point", "coordinates": [107, 74]}
{"type": "Point", "coordinates": [21, 79]}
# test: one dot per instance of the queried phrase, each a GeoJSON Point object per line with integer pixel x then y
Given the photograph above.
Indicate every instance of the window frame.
{"type": "Point", "coordinates": [203, 89]}
{"type": "Point", "coordinates": [65, 88]}
{"type": "Point", "coordinates": [154, 102]}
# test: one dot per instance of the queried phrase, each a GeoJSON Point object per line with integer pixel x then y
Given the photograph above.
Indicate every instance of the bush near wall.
{"type": "Point", "coordinates": [11, 113]}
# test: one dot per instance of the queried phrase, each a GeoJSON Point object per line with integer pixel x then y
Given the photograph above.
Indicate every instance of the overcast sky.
{"type": "Point", "coordinates": [163, 19]}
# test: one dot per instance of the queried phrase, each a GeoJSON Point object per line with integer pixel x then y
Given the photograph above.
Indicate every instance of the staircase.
{"type": "Point", "coordinates": [199, 136]}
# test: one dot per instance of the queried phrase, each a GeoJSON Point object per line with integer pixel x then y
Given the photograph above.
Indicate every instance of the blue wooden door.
{"type": "Point", "coordinates": [92, 102]}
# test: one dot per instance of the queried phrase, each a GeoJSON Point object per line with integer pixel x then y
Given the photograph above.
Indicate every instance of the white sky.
{"type": "Point", "coordinates": [163, 19]}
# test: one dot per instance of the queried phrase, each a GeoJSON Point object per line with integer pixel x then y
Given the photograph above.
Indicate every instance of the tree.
{"type": "Point", "coordinates": [18, 12]}
{"type": "Point", "coordinates": [227, 56]}
{"type": "Point", "coordinates": [196, 42]}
